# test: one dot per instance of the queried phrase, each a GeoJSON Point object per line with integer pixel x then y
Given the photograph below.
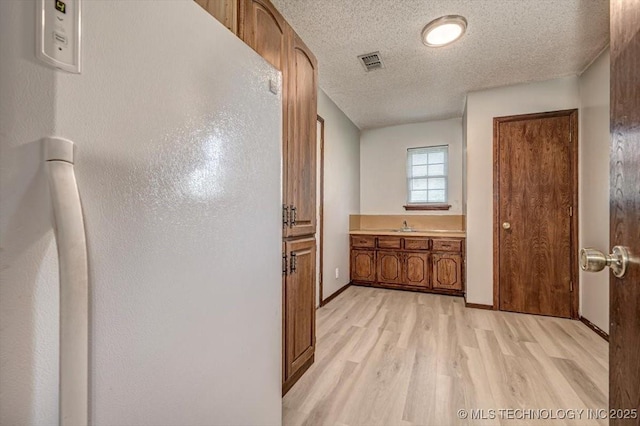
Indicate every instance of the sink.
{"type": "Point", "coordinates": [404, 230]}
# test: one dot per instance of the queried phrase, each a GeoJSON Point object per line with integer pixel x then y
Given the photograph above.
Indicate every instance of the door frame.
{"type": "Point", "coordinates": [321, 301]}
{"type": "Point", "coordinates": [573, 132]}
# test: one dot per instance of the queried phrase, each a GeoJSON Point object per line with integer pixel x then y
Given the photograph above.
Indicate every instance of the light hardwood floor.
{"type": "Point", "coordinates": [386, 357]}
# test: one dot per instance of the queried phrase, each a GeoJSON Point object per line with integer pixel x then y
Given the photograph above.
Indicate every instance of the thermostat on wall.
{"type": "Point", "coordinates": [58, 37]}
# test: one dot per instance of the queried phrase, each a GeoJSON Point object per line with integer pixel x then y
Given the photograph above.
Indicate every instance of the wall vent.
{"type": "Point", "coordinates": [371, 61]}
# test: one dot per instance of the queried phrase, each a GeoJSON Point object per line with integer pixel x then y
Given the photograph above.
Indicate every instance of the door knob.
{"type": "Point", "coordinates": [593, 260]}
{"type": "Point", "coordinates": [506, 225]}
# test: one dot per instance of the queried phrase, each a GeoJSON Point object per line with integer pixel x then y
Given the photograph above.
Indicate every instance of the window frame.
{"type": "Point", "coordinates": [427, 205]}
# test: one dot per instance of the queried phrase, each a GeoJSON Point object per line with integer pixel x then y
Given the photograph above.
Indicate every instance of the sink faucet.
{"type": "Point", "coordinates": [404, 225]}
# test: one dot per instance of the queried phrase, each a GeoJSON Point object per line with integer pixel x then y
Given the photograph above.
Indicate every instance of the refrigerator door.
{"type": "Point", "coordinates": [178, 166]}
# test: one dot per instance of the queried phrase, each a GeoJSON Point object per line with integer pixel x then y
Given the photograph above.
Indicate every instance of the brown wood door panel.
{"type": "Point", "coordinates": [447, 271]}
{"type": "Point", "coordinates": [363, 265]}
{"type": "Point", "coordinates": [389, 267]}
{"type": "Point", "coordinates": [535, 193]}
{"type": "Point", "coordinates": [300, 156]}
{"type": "Point", "coordinates": [624, 339]}
{"type": "Point", "coordinates": [416, 269]}
{"type": "Point", "coordinates": [299, 307]}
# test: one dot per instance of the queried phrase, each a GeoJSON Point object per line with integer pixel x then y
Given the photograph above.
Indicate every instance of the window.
{"type": "Point", "coordinates": [427, 175]}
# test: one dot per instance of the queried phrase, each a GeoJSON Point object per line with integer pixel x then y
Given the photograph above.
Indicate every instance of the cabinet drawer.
{"type": "Point", "coordinates": [447, 245]}
{"type": "Point", "coordinates": [389, 242]}
{"type": "Point", "coordinates": [363, 241]}
{"type": "Point", "coordinates": [416, 244]}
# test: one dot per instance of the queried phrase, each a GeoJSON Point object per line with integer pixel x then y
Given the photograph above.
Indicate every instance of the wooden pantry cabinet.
{"type": "Point", "coordinates": [299, 320]}
{"type": "Point", "coordinates": [413, 263]}
{"type": "Point", "coordinates": [300, 149]}
{"type": "Point", "coordinates": [259, 24]}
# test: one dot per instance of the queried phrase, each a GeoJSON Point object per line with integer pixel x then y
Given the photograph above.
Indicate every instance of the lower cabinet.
{"type": "Point", "coordinates": [416, 269]}
{"type": "Point", "coordinates": [406, 268]}
{"type": "Point", "coordinates": [447, 271]}
{"type": "Point", "coordinates": [299, 316]}
{"type": "Point", "coordinates": [390, 267]}
{"type": "Point", "coordinates": [363, 265]}
{"type": "Point", "coordinates": [415, 263]}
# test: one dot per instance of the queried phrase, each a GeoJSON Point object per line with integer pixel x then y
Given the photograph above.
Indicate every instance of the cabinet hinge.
{"type": "Point", "coordinates": [293, 263]}
{"type": "Point", "coordinates": [285, 215]}
{"type": "Point", "coordinates": [284, 263]}
{"type": "Point", "coordinates": [571, 286]}
{"type": "Point", "coordinates": [293, 216]}
{"type": "Point", "coordinates": [571, 211]}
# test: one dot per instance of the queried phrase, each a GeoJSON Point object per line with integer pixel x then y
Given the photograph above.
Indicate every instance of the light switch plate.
{"type": "Point", "coordinates": [59, 29]}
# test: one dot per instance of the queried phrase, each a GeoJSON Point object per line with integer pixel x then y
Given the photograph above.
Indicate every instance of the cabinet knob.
{"type": "Point", "coordinates": [506, 225]}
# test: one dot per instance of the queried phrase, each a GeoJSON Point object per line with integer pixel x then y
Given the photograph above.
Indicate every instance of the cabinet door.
{"type": "Point", "coordinates": [389, 265]}
{"type": "Point", "coordinates": [299, 304]}
{"type": "Point", "coordinates": [447, 271]}
{"type": "Point", "coordinates": [265, 31]}
{"type": "Point", "coordinates": [363, 265]}
{"type": "Point", "coordinates": [225, 11]}
{"type": "Point", "coordinates": [416, 269]}
{"type": "Point", "coordinates": [300, 154]}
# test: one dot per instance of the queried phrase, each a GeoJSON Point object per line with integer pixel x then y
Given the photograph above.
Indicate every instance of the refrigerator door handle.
{"type": "Point", "coordinates": [74, 282]}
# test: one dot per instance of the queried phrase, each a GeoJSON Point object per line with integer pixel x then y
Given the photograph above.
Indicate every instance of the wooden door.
{"type": "Point", "coordinates": [299, 307]}
{"type": "Point", "coordinates": [300, 155]}
{"type": "Point", "coordinates": [363, 265]}
{"type": "Point", "coordinates": [225, 11]}
{"type": "Point", "coordinates": [447, 271]}
{"type": "Point", "coordinates": [535, 213]}
{"type": "Point", "coordinates": [389, 265]}
{"type": "Point", "coordinates": [416, 269]}
{"type": "Point", "coordinates": [624, 339]}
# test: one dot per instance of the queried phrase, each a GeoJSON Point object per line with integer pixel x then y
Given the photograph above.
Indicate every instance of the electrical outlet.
{"type": "Point", "coordinates": [337, 273]}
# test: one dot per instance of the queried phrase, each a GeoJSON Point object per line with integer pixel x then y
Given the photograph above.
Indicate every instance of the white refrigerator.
{"type": "Point", "coordinates": [177, 126]}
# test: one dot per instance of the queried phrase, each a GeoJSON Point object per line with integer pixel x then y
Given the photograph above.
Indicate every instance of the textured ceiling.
{"type": "Point", "coordinates": [507, 42]}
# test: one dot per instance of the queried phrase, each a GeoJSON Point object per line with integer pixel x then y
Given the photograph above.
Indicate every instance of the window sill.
{"type": "Point", "coordinates": [427, 207]}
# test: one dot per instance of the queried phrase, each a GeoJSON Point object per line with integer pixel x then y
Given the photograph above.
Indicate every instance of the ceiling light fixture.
{"type": "Point", "coordinates": [444, 30]}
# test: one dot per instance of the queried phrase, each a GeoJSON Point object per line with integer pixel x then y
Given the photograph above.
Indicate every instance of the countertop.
{"type": "Point", "coordinates": [419, 233]}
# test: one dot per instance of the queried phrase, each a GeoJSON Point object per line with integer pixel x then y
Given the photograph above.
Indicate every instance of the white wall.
{"type": "Point", "coordinates": [341, 190]}
{"type": "Point", "coordinates": [383, 164]}
{"type": "Point", "coordinates": [28, 260]}
{"type": "Point", "coordinates": [594, 185]}
{"type": "Point", "coordinates": [482, 107]}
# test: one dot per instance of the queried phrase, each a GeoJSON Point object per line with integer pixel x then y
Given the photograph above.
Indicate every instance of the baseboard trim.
{"type": "Point", "coordinates": [595, 328]}
{"type": "Point", "coordinates": [334, 295]}
{"type": "Point", "coordinates": [478, 306]}
{"type": "Point", "coordinates": [288, 384]}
